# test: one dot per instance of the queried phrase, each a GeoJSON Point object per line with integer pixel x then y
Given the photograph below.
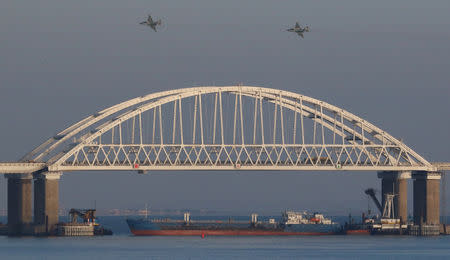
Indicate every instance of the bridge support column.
{"type": "Point", "coordinates": [19, 204]}
{"type": "Point", "coordinates": [426, 197]}
{"type": "Point", "coordinates": [46, 199]}
{"type": "Point", "coordinates": [396, 182]}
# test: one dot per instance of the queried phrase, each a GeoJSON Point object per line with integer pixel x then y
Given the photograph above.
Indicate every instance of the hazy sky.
{"type": "Point", "coordinates": [385, 61]}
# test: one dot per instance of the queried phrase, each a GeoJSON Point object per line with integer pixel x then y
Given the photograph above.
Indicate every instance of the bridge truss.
{"type": "Point", "coordinates": [225, 128]}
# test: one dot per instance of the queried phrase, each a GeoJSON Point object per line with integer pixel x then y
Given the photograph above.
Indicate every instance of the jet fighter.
{"type": "Point", "coordinates": [151, 23]}
{"type": "Point", "coordinates": [299, 29]}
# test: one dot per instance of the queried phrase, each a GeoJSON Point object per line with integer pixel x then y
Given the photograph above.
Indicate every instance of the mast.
{"type": "Point", "coordinates": [146, 211]}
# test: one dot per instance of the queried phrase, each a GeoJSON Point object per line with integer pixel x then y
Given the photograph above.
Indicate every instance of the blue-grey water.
{"type": "Point", "coordinates": [122, 245]}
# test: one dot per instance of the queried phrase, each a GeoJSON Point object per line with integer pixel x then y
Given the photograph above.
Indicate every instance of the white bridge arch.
{"type": "Point", "coordinates": [225, 128]}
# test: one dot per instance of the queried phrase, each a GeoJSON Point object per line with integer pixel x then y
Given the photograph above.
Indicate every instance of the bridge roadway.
{"type": "Point", "coordinates": [25, 168]}
{"type": "Point", "coordinates": [441, 166]}
{"type": "Point", "coordinates": [20, 167]}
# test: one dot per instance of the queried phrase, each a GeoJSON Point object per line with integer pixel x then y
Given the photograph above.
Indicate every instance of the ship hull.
{"type": "Point", "coordinates": [223, 233]}
{"type": "Point", "coordinates": [147, 228]}
{"type": "Point", "coordinates": [358, 232]}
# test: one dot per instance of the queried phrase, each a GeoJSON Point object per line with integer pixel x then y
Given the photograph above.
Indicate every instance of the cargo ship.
{"type": "Point", "coordinates": [291, 224]}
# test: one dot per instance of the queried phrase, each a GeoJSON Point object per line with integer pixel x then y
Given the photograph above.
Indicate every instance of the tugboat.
{"type": "Point", "coordinates": [366, 224]}
{"type": "Point", "coordinates": [363, 228]}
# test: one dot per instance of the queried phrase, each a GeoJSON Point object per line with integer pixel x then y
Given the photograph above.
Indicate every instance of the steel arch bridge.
{"type": "Point", "coordinates": [224, 128]}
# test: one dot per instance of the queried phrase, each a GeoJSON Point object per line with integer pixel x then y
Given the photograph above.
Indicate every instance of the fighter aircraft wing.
{"type": "Point", "coordinates": [300, 34]}
{"type": "Point", "coordinates": [149, 19]}
{"type": "Point", "coordinates": [153, 27]}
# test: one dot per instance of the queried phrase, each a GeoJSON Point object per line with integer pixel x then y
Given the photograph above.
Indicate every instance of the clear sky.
{"type": "Point", "coordinates": [385, 61]}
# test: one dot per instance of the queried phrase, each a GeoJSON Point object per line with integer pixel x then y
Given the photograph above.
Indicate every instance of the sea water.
{"type": "Point", "coordinates": [123, 245]}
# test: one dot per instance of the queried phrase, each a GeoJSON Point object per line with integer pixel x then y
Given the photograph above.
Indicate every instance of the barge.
{"type": "Point", "coordinates": [88, 226]}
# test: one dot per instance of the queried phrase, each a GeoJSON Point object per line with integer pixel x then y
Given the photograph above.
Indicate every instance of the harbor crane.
{"type": "Point", "coordinates": [371, 193]}
{"type": "Point", "coordinates": [88, 215]}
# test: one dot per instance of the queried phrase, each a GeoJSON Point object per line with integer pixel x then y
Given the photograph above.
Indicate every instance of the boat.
{"type": "Point", "coordinates": [362, 228]}
{"type": "Point", "coordinates": [88, 226]}
{"type": "Point", "coordinates": [388, 224]}
{"type": "Point", "coordinates": [292, 223]}
{"type": "Point", "coordinates": [3, 229]}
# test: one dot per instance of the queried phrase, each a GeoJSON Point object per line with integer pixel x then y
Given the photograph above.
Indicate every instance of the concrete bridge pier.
{"type": "Point", "coordinates": [426, 197]}
{"type": "Point", "coordinates": [46, 200]}
{"type": "Point", "coordinates": [396, 182]}
{"type": "Point", "coordinates": [19, 204]}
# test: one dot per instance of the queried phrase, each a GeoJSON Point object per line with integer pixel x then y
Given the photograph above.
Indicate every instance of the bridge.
{"type": "Point", "coordinates": [218, 128]}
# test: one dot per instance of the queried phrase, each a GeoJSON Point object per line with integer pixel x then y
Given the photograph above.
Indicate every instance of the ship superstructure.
{"type": "Point", "coordinates": [293, 217]}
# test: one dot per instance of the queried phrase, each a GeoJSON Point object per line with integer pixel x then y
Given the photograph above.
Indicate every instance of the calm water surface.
{"type": "Point", "coordinates": [126, 246]}
{"type": "Point", "coordinates": [122, 245]}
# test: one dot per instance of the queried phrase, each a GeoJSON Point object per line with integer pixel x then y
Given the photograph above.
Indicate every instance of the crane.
{"type": "Point", "coordinates": [88, 215]}
{"type": "Point", "coordinates": [371, 193]}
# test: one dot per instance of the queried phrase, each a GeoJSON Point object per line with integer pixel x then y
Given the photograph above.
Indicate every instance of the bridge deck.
{"type": "Point", "coordinates": [20, 167]}
{"type": "Point", "coordinates": [441, 166]}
